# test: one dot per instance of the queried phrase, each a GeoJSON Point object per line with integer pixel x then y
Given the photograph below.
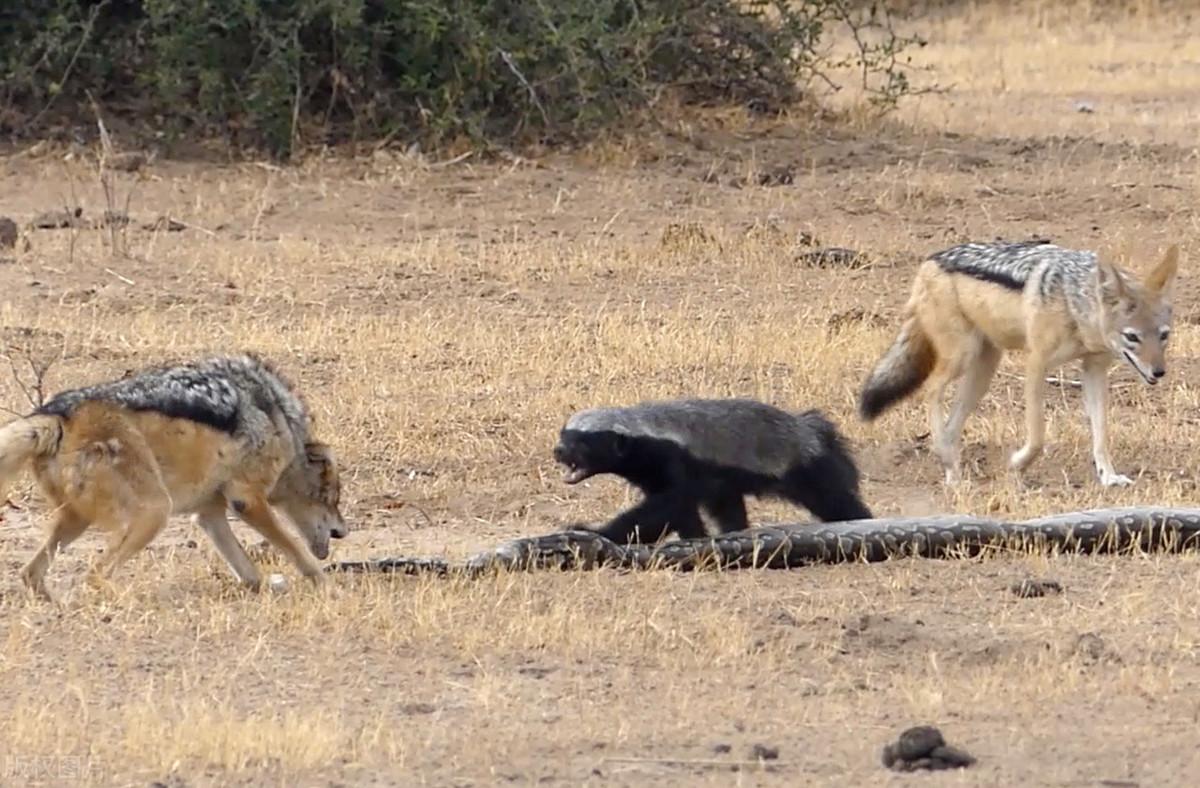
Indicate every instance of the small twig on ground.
{"type": "Point", "coordinates": [1063, 382]}
{"type": "Point", "coordinates": [124, 279]}
{"type": "Point", "coordinates": [425, 514]}
{"type": "Point", "coordinates": [451, 162]}
{"type": "Point", "coordinates": [697, 762]}
{"type": "Point", "coordinates": [610, 222]}
{"type": "Point", "coordinates": [190, 226]}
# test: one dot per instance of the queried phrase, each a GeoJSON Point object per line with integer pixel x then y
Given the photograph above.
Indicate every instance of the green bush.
{"type": "Point", "coordinates": [271, 72]}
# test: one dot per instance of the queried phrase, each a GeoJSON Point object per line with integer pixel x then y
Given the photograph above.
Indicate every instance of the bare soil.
{"type": "Point", "coordinates": [443, 319]}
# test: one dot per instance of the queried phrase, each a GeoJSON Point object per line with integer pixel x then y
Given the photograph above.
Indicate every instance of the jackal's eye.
{"type": "Point", "coordinates": [1131, 336]}
{"type": "Point", "coordinates": [1164, 334]}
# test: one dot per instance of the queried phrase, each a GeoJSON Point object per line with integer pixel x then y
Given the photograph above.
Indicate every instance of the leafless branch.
{"type": "Point", "coordinates": [86, 36]}
{"type": "Point", "coordinates": [533, 96]}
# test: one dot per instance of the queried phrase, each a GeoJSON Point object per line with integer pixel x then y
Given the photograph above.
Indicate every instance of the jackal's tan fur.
{"type": "Point", "coordinates": [125, 463]}
{"type": "Point", "coordinates": [971, 303]}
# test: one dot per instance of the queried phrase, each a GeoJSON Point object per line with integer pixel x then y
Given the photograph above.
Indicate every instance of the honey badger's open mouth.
{"type": "Point", "coordinates": [574, 474]}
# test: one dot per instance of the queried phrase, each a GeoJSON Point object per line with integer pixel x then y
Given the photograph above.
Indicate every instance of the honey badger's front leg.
{"type": "Point", "coordinates": [656, 515]}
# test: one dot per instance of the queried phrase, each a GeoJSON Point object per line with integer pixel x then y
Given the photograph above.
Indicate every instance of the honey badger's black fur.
{"type": "Point", "coordinates": [685, 455]}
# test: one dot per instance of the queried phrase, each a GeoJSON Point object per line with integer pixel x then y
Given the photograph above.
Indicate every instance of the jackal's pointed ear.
{"type": "Point", "coordinates": [1160, 279]}
{"type": "Point", "coordinates": [1108, 282]}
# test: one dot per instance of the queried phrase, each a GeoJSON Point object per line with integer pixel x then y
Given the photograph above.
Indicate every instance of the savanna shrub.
{"type": "Point", "coordinates": [268, 73]}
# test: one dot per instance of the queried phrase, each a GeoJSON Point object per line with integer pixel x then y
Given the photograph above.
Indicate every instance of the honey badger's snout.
{"type": "Point", "coordinates": [569, 454]}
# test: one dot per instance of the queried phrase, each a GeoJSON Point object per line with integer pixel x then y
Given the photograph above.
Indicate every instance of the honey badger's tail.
{"type": "Point", "coordinates": [24, 439]}
{"type": "Point", "coordinates": [901, 371]}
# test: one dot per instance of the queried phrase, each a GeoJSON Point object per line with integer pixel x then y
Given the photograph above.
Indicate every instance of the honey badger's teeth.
{"type": "Point", "coordinates": [574, 474]}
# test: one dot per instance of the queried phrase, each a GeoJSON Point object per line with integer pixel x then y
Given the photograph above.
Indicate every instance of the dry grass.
{"type": "Point", "coordinates": [443, 322]}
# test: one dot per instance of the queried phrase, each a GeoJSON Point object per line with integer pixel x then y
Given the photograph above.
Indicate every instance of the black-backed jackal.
{"type": "Point", "coordinates": [972, 302]}
{"type": "Point", "coordinates": [197, 437]}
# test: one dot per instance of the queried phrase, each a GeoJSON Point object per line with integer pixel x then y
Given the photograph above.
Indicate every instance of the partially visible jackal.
{"type": "Point", "coordinates": [196, 437]}
{"type": "Point", "coordinates": [971, 302]}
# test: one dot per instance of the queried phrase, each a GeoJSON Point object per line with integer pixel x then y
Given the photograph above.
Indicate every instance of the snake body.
{"type": "Point", "coordinates": [793, 545]}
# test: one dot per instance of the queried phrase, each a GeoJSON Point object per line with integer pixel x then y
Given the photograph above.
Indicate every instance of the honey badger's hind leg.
{"type": "Point", "coordinates": [728, 509]}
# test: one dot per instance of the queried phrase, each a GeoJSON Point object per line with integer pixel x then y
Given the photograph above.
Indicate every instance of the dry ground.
{"type": "Point", "coordinates": [444, 320]}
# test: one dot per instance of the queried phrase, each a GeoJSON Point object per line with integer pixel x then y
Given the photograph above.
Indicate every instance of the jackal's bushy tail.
{"type": "Point", "coordinates": [900, 372]}
{"type": "Point", "coordinates": [24, 439]}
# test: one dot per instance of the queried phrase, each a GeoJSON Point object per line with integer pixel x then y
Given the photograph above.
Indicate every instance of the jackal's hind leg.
{"type": "Point", "coordinates": [65, 527]}
{"type": "Point", "coordinates": [129, 538]}
{"type": "Point", "coordinates": [979, 372]}
{"type": "Point", "coordinates": [942, 377]}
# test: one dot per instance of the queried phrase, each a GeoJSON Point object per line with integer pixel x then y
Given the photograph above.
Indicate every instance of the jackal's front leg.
{"type": "Point", "coordinates": [211, 518]}
{"type": "Point", "coordinates": [1095, 402]}
{"type": "Point", "coordinates": [256, 512]}
{"type": "Point", "coordinates": [1035, 417]}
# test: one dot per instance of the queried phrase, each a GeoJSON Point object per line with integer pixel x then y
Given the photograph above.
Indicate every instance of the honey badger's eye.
{"type": "Point", "coordinates": [1131, 336]}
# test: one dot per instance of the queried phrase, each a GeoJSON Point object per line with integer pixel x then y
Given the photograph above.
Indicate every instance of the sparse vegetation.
{"type": "Point", "coordinates": [443, 319]}
{"type": "Point", "coordinates": [277, 75]}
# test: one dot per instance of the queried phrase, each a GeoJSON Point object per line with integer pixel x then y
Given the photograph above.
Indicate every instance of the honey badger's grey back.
{"type": "Point", "coordinates": [736, 433]}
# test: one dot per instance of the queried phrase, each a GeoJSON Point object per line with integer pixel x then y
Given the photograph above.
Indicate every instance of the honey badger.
{"type": "Point", "coordinates": [688, 454]}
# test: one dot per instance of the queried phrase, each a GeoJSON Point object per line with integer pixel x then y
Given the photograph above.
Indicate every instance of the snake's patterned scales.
{"type": "Point", "coordinates": [783, 546]}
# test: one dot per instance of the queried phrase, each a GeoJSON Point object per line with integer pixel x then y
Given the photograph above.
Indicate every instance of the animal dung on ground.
{"type": "Point", "coordinates": [762, 752]}
{"type": "Point", "coordinates": [8, 233]}
{"type": "Point", "coordinates": [1029, 588]}
{"type": "Point", "coordinates": [833, 257]}
{"type": "Point", "coordinates": [54, 220]}
{"type": "Point", "coordinates": [923, 747]}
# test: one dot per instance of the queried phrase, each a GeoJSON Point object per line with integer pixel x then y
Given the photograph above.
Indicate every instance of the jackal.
{"type": "Point", "coordinates": [972, 302]}
{"type": "Point", "coordinates": [188, 438]}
